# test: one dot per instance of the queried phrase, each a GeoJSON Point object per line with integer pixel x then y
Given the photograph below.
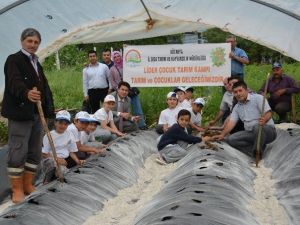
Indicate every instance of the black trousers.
{"type": "Point", "coordinates": [281, 108]}
{"type": "Point", "coordinates": [95, 96]}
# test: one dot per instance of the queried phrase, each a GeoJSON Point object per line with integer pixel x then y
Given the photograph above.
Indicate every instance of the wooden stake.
{"type": "Point", "coordinates": [261, 126]}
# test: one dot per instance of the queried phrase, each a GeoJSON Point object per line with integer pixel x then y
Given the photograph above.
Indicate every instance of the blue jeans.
{"type": "Point", "coordinates": [137, 110]}
{"type": "Point", "coordinates": [240, 75]}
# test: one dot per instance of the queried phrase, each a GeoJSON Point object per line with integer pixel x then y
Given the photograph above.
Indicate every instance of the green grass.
{"type": "Point", "coordinates": [3, 133]}
{"type": "Point", "coordinates": [66, 86]}
{"type": "Point", "coordinates": [256, 74]}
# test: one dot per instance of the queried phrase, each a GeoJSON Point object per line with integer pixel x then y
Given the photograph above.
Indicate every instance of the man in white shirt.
{"type": "Point", "coordinates": [95, 81]}
{"type": "Point", "coordinates": [168, 116]}
{"type": "Point", "coordinates": [248, 110]}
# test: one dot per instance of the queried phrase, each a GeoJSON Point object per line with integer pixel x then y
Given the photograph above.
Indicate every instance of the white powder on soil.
{"type": "Point", "coordinates": [122, 209]}
{"type": "Point", "coordinates": [265, 206]}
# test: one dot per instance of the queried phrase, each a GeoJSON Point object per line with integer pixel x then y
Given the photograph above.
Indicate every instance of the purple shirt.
{"type": "Point", "coordinates": [287, 83]}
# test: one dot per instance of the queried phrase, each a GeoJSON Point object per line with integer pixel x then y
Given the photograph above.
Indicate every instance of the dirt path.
{"type": "Point", "coordinates": [122, 209]}
{"type": "Point", "coordinates": [265, 206]}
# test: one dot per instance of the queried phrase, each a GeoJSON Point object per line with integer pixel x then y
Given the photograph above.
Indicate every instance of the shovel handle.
{"type": "Point", "coordinates": [257, 159]}
{"type": "Point", "coordinates": [46, 129]}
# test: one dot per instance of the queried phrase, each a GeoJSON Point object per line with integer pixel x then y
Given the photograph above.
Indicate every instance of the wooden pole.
{"type": "Point", "coordinates": [57, 61]}
{"type": "Point", "coordinates": [46, 129]}
{"type": "Point", "coordinates": [261, 126]}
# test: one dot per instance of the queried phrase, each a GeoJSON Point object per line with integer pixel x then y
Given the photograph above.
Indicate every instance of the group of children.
{"type": "Point", "coordinates": [76, 141]}
{"type": "Point", "coordinates": [177, 123]}
{"type": "Point", "coordinates": [181, 98]}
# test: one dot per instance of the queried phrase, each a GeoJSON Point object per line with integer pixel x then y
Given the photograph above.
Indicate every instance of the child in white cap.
{"type": "Point", "coordinates": [87, 137]}
{"type": "Point", "coordinates": [81, 121]}
{"type": "Point", "coordinates": [65, 146]}
{"type": "Point", "coordinates": [168, 116]}
{"type": "Point", "coordinates": [107, 130]}
{"type": "Point", "coordinates": [189, 94]}
{"type": "Point", "coordinates": [196, 114]}
{"type": "Point", "coordinates": [181, 95]}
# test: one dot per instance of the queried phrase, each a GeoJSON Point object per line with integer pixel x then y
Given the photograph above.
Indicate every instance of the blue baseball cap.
{"type": "Point", "coordinates": [63, 115]}
{"type": "Point", "coordinates": [82, 116]}
{"type": "Point", "coordinates": [93, 119]}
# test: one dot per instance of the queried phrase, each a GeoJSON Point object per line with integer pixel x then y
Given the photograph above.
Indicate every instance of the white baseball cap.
{"type": "Point", "coordinates": [63, 115]}
{"type": "Point", "coordinates": [189, 88]}
{"type": "Point", "coordinates": [93, 118]}
{"type": "Point", "coordinates": [171, 94]}
{"type": "Point", "coordinates": [82, 116]}
{"type": "Point", "coordinates": [179, 89]}
{"type": "Point", "coordinates": [109, 98]}
{"type": "Point", "coordinates": [199, 101]}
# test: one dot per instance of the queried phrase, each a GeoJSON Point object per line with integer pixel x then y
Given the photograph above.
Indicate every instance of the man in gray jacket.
{"type": "Point", "coordinates": [122, 116]}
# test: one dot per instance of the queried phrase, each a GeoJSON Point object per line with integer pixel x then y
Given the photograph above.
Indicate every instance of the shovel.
{"type": "Point", "coordinates": [46, 129]}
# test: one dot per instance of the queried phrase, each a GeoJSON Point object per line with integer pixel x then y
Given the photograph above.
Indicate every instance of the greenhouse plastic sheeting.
{"type": "Point", "coordinates": [214, 188]}
{"type": "Point", "coordinates": [283, 156]}
{"type": "Point", "coordinates": [274, 24]}
{"type": "Point", "coordinates": [4, 184]}
{"type": "Point", "coordinates": [86, 188]}
{"type": "Point", "coordinates": [208, 187]}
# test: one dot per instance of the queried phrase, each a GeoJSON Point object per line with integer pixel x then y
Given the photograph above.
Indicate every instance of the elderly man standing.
{"type": "Point", "coordinates": [280, 87]}
{"type": "Point", "coordinates": [95, 81]}
{"type": "Point", "coordinates": [248, 110]}
{"type": "Point", "coordinates": [25, 85]}
{"type": "Point", "coordinates": [238, 58]}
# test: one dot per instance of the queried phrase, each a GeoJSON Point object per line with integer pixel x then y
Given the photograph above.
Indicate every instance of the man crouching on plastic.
{"type": "Point", "coordinates": [249, 110]}
{"type": "Point", "coordinates": [173, 144]}
{"type": "Point", "coordinates": [65, 147]}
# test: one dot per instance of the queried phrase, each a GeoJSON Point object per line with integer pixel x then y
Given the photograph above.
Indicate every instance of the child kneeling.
{"type": "Point", "coordinates": [64, 144]}
{"type": "Point", "coordinates": [173, 144]}
{"type": "Point", "coordinates": [107, 130]}
{"type": "Point", "coordinates": [87, 136]}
